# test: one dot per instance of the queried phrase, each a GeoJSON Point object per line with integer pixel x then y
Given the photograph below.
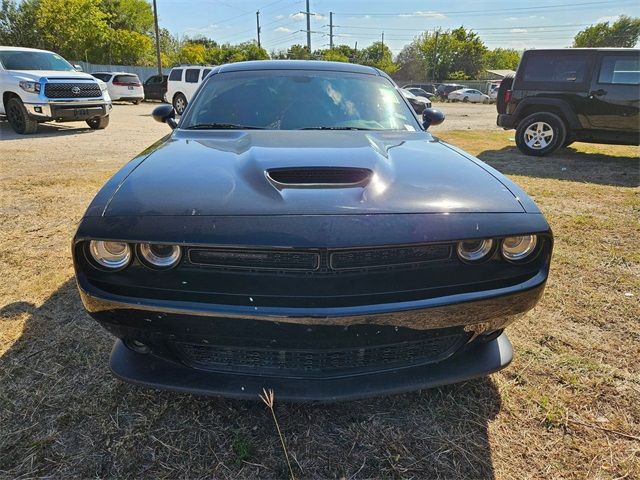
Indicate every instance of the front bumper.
{"type": "Point", "coordinates": [68, 110]}
{"type": "Point", "coordinates": [479, 360]}
{"type": "Point", "coordinates": [163, 325]}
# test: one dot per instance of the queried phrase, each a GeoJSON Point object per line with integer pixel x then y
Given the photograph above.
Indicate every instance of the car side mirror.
{"type": "Point", "coordinates": [77, 68]}
{"type": "Point", "coordinates": [431, 116]}
{"type": "Point", "coordinates": [165, 114]}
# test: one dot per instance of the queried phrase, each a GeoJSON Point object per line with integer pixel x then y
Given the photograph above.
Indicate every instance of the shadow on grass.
{"type": "Point", "coordinates": [567, 164]}
{"type": "Point", "coordinates": [63, 414]}
{"type": "Point", "coordinates": [45, 130]}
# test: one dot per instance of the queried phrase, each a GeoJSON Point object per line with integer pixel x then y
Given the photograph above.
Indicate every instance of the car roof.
{"type": "Point", "coordinates": [19, 49]}
{"type": "Point", "coordinates": [317, 65]}
{"type": "Point", "coordinates": [116, 73]}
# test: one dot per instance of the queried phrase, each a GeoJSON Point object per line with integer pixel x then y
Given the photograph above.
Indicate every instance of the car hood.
{"type": "Point", "coordinates": [37, 75]}
{"type": "Point", "coordinates": [226, 173]}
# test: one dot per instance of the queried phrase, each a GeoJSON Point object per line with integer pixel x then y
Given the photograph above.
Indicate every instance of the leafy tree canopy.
{"type": "Point", "coordinates": [624, 32]}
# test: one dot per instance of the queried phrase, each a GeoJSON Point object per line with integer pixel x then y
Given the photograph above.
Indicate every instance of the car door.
{"type": "Point", "coordinates": [152, 87]}
{"type": "Point", "coordinates": [615, 91]}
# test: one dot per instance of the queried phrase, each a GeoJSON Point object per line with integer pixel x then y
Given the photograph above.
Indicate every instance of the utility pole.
{"type": "Point", "coordinates": [331, 30]}
{"type": "Point", "coordinates": [308, 28]}
{"type": "Point", "coordinates": [155, 19]}
{"type": "Point", "coordinates": [435, 57]}
{"type": "Point", "coordinates": [257, 26]}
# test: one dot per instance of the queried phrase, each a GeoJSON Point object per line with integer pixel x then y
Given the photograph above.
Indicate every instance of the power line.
{"type": "Point", "coordinates": [466, 12]}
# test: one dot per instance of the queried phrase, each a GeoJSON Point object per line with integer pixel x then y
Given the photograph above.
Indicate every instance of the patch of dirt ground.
{"type": "Point", "coordinates": [567, 407]}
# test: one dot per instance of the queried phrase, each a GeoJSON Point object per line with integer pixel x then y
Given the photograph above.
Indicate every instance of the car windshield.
{"type": "Point", "coordinates": [299, 99]}
{"type": "Point", "coordinates": [29, 60]}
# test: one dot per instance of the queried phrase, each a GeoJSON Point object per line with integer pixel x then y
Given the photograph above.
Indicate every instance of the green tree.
{"type": "Point", "coordinates": [76, 29]}
{"type": "Point", "coordinates": [18, 24]}
{"type": "Point", "coordinates": [133, 15]}
{"type": "Point", "coordinates": [379, 55]}
{"type": "Point", "coordinates": [624, 32]}
{"type": "Point", "coordinates": [130, 48]}
{"type": "Point", "coordinates": [298, 52]}
{"type": "Point", "coordinates": [192, 53]}
{"type": "Point", "coordinates": [412, 64]}
{"type": "Point", "coordinates": [502, 59]}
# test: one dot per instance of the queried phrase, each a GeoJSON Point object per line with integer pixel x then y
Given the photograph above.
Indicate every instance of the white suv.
{"type": "Point", "coordinates": [183, 83]}
{"type": "Point", "coordinates": [39, 86]}
{"type": "Point", "coordinates": [122, 86]}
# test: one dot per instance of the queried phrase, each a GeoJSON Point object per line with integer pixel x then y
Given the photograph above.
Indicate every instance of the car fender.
{"type": "Point", "coordinates": [530, 105]}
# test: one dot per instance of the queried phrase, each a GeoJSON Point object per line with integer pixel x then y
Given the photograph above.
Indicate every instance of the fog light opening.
{"type": "Point", "coordinates": [137, 346]}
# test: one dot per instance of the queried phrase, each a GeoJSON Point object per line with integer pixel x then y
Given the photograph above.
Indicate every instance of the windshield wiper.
{"type": "Point", "coordinates": [335, 128]}
{"type": "Point", "coordinates": [227, 126]}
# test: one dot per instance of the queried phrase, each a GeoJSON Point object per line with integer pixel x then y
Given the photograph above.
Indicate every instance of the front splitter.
{"type": "Point", "coordinates": [147, 370]}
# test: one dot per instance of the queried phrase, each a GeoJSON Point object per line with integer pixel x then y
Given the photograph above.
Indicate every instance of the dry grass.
{"type": "Point", "coordinates": [568, 406]}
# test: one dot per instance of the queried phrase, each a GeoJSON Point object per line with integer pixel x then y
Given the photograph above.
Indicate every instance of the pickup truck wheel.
{"type": "Point", "coordinates": [179, 103]}
{"type": "Point", "coordinates": [99, 123]}
{"type": "Point", "coordinates": [19, 117]}
{"type": "Point", "coordinates": [540, 134]}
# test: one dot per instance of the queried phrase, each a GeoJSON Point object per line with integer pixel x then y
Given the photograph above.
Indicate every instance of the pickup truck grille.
{"type": "Point", "coordinates": [72, 90]}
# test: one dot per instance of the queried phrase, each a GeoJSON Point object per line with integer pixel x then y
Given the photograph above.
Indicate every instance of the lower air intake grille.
{"type": "Point", "coordinates": [309, 363]}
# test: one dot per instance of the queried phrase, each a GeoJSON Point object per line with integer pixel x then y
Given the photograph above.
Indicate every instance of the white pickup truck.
{"type": "Point", "coordinates": [40, 86]}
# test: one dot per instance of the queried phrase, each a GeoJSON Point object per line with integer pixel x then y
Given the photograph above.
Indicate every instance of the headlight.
{"type": "Point", "coordinates": [519, 248]}
{"type": "Point", "coordinates": [160, 256]}
{"type": "Point", "coordinates": [475, 250]}
{"type": "Point", "coordinates": [111, 255]}
{"type": "Point", "coordinates": [32, 87]}
{"type": "Point", "coordinates": [103, 86]}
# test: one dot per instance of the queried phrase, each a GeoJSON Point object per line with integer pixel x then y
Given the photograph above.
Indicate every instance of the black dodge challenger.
{"type": "Point", "coordinates": [300, 230]}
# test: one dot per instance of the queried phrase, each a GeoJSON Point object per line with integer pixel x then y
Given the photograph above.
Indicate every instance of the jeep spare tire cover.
{"type": "Point", "coordinates": [505, 85]}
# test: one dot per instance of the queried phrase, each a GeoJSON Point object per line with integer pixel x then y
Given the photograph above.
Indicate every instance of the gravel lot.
{"type": "Point", "coordinates": [568, 407]}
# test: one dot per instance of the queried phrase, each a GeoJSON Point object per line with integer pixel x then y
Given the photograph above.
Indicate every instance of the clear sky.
{"type": "Point", "coordinates": [517, 24]}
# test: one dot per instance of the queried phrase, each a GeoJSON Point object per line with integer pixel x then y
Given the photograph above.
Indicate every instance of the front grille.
{"type": "Point", "coordinates": [72, 90]}
{"type": "Point", "coordinates": [319, 260]}
{"type": "Point", "coordinates": [309, 363]}
{"type": "Point", "coordinates": [255, 259]}
{"type": "Point", "coordinates": [378, 257]}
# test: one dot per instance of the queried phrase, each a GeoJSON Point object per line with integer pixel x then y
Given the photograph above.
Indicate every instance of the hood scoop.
{"type": "Point", "coordinates": [319, 177]}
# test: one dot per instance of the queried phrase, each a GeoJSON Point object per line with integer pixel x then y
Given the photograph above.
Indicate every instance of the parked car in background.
{"type": "Point", "coordinates": [40, 86]}
{"type": "Point", "coordinates": [493, 93]}
{"type": "Point", "coordinates": [470, 95]}
{"type": "Point", "coordinates": [444, 89]}
{"type": "Point", "coordinates": [417, 103]}
{"type": "Point", "coordinates": [182, 84]}
{"type": "Point", "coordinates": [300, 230]}
{"type": "Point", "coordinates": [418, 92]}
{"type": "Point", "coordinates": [566, 95]}
{"type": "Point", "coordinates": [122, 86]}
{"type": "Point", "coordinates": [427, 87]}
{"type": "Point", "coordinates": [155, 87]}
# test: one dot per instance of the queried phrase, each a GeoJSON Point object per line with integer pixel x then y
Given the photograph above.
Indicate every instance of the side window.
{"type": "Point", "coordinates": [556, 68]}
{"type": "Point", "coordinates": [176, 75]}
{"type": "Point", "coordinates": [205, 72]}
{"type": "Point", "coordinates": [192, 75]}
{"type": "Point", "coordinates": [620, 69]}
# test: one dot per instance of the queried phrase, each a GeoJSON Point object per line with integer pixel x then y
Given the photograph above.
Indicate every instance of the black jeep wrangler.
{"type": "Point", "coordinates": [561, 96]}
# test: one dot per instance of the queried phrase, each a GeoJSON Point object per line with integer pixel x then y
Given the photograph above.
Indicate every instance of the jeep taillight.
{"type": "Point", "coordinates": [507, 96]}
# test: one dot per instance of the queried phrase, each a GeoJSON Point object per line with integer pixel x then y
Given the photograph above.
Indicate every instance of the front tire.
{"type": "Point", "coordinates": [465, 100]}
{"type": "Point", "coordinates": [19, 118]}
{"type": "Point", "coordinates": [540, 134]}
{"type": "Point", "coordinates": [179, 103]}
{"type": "Point", "coordinates": [136, 102]}
{"type": "Point", "coordinates": [99, 123]}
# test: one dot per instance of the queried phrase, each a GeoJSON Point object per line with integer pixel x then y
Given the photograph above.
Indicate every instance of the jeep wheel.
{"type": "Point", "coordinates": [98, 123]}
{"type": "Point", "coordinates": [540, 134]}
{"type": "Point", "coordinates": [19, 117]}
{"type": "Point", "coordinates": [179, 103]}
